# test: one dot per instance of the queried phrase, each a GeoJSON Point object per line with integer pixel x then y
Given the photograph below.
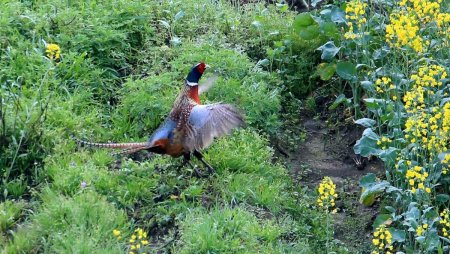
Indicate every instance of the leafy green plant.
{"type": "Point", "coordinates": [404, 81]}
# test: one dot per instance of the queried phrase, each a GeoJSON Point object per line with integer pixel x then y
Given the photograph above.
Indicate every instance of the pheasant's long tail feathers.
{"type": "Point", "coordinates": [130, 150]}
{"type": "Point", "coordinates": [110, 145]}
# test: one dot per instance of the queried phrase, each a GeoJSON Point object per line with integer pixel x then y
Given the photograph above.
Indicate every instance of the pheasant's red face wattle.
{"type": "Point", "coordinates": [201, 67]}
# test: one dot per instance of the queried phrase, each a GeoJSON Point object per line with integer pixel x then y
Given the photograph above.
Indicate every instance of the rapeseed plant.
{"type": "Point", "coordinates": [404, 31]}
{"type": "Point", "coordinates": [421, 229]}
{"type": "Point", "coordinates": [382, 239]}
{"type": "Point", "coordinates": [445, 161]}
{"type": "Point", "coordinates": [138, 241]}
{"type": "Point", "coordinates": [327, 195]}
{"type": "Point", "coordinates": [116, 233]}
{"type": "Point", "coordinates": [354, 13]}
{"type": "Point", "coordinates": [416, 177]}
{"type": "Point", "coordinates": [384, 142]}
{"type": "Point", "coordinates": [445, 222]}
{"type": "Point", "coordinates": [53, 51]}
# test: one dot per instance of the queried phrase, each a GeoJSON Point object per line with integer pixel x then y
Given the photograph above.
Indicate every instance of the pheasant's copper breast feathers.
{"type": "Point", "coordinates": [207, 122]}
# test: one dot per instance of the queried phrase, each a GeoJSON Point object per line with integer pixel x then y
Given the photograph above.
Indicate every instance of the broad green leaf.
{"type": "Point", "coordinates": [371, 192]}
{"type": "Point", "coordinates": [310, 32]}
{"type": "Point", "coordinates": [263, 62]}
{"type": "Point", "coordinates": [329, 29]}
{"type": "Point", "coordinates": [325, 70]}
{"type": "Point", "coordinates": [413, 212]}
{"type": "Point", "coordinates": [442, 198]}
{"type": "Point", "coordinates": [372, 103]}
{"type": "Point", "coordinates": [335, 14]}
{"type": "Point", "coordinates": [329, 50]}
{"type": "Point", "coordinates": [340, 99]}
{"type": "Point", "coordinates": [368, 180]}
{"type": "Point", "coordinates": [366, 122]}
{"type": "Point", "coordinates": [397, 235]}
{"type": "Point", "coordinates": [306, 26]}
{"type": "Point", "coordinates": [367, 144]}
{"type": "Point", "coordinates": [389, 155]}
{"type": "Point", "coordinates": [346, 70]}
{"type": "Point", "coordinates": [368, 86]}
{"type": "Point", "coordinates": [382, 219]}
{"type": "Point", "coordinates": [432, 241]}
{"type": "Point", "coordinates": [302, 21]}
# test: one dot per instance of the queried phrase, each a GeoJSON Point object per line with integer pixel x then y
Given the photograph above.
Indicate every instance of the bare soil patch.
{"type": "Point", "coordinates": [327, 150]}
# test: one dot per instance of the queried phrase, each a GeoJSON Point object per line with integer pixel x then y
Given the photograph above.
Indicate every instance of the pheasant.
{"type": "Point", "coordinates": [190, 126]}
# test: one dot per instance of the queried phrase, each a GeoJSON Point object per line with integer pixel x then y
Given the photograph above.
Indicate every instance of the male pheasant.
{"type": "Point", "coordinates": [189, 127]}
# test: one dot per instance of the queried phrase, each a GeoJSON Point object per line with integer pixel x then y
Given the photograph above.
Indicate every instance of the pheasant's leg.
{"type": "Point", "coordinates": [199, 156]}
{"type": "Point", "coordinates": [187, 160]}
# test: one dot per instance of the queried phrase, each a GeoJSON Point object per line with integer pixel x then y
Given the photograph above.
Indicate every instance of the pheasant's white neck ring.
{"type": "Point", "coordinates": [191, 83]}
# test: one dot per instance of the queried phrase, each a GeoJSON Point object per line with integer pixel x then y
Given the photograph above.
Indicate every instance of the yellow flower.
{"type": "Point", "coordinates": [375, 241]}
{"type": "Point", "coordinates": [327, 194]}
{"type": "Point", "coordinates": [403, 31]}
{"type": "Point", "coordinates": [116, 233]}
{"type": "Point", "coordinates": [382, 239]}
{"type": "Point", "coordinates": [53, 51]}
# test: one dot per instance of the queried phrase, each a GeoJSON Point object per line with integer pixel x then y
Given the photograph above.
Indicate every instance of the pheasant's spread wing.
{"type": "Point", "coordinates": [207, 84]}
{"type": "Point", "coordinates": [207, 122]}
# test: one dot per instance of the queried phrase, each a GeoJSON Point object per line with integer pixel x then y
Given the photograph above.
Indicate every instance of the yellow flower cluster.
{"type": "Point", "coordinates": [425, 10]}
{"type": "Point", "coordinates": [53, 51]}
{"type": "Point", "coordinates": [354, 13]}
{"type": "Point", "coordinates": [432, 129]}
{"type": "Point", "coordinates": [327, 194]}
{"type": "Point", "coordinates": [404, 31]}
{"type": "Point", "coordinates": [137, 241]}
{"type": "Point", "coordinates": [421, 229]}
{"type": "Point", "coordinates": [414, 100]}
{"type": "Point", "coordinates": [445, 222]}
{"type": "Point", "coordinates": [425, 124]}
{"type": "Point", "coordinates": [429, 76]}
{"type": "Point", "coordinates": [383, 84]}
{"type": "Point", "coordinates": [446, 161]}
{"type": "Point", "coordinates": [116, 233]}
{"type": "Point", "coordinates": [443, 22]}
{"type": "Point", "coordinates": [384, 142]}
{"type": "Point", "coordinates": [382, 239]}
{"type": "Point", "coordinates": [416, 177]}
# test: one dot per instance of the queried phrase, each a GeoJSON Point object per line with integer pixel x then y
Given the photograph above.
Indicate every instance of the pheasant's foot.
{"type": "Point", "coordinates": [198, 173]}
{"type": "Point", "coordinates": [199, 156]}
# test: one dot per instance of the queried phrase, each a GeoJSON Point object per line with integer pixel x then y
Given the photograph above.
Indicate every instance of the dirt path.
{"type": "Point", "coordinates": [329, 152]}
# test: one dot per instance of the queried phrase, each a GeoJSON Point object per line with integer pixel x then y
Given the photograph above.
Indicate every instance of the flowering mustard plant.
{"type": "Point", "coordinates": [382, 240]}
{"type": "Point", "coordinates": [354, 13]}
{"type": "Point", "coordinates": [327, 195]}
{"type": "Point", "coordinates": [53, 51]}
{"type": "Point", "coordinates": [445, 223]}
{"type": "Point", "coordinates": [138, 241]}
